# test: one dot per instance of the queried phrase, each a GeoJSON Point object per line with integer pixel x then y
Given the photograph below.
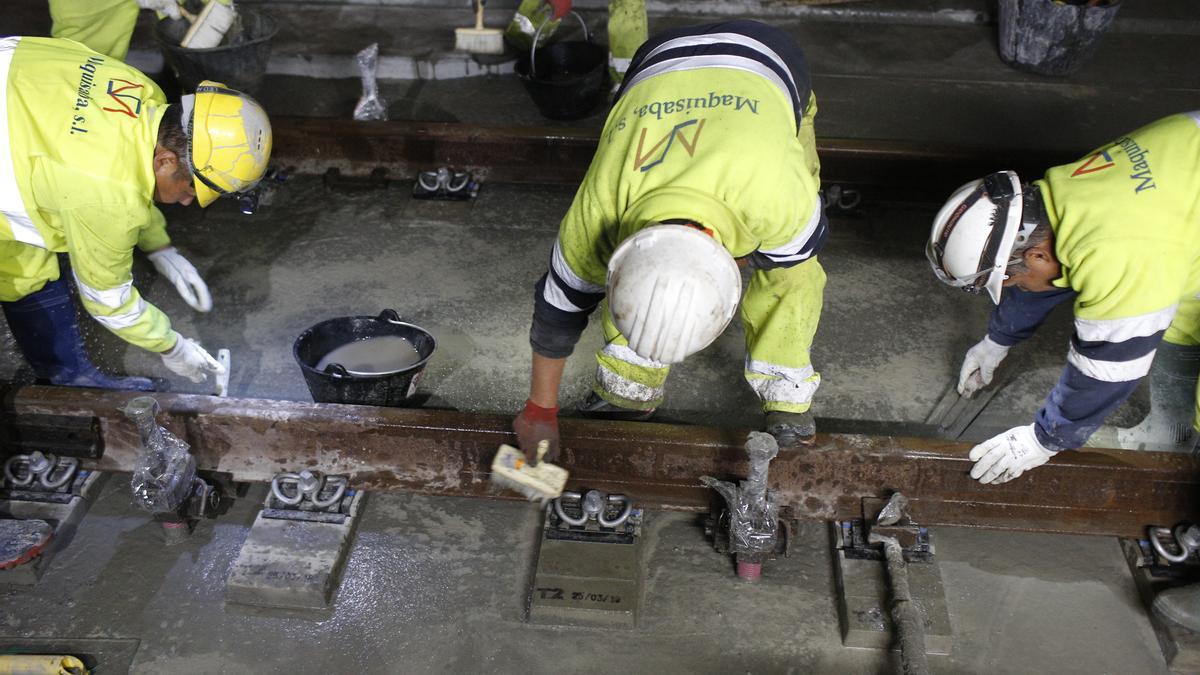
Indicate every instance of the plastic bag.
{"type": "Point", "coordinates": [165, 470]}
{"type": "Point", "coordinates": [751, 508]}
{"type": "Point", "coordinates": [370, 106]}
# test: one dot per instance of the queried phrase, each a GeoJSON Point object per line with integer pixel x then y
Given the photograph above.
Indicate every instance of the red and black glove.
{"type": "Point", "coordinates": [561, 8]}
{"type": "Point", "coordinates": [535, 424]}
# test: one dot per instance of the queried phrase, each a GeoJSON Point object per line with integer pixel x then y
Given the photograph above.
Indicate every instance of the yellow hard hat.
{"type": "Point", "coordinates": [229, 141]}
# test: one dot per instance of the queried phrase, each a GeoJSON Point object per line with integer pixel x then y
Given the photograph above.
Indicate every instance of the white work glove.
{"type": "Point", "coordinates": [180, 272]}
{"type": "Point", "coordinates": [188, 358]}
{"type": "Point", "coordinates": [1007, 456]}
{"type": "Point", "coordinates": [979, 366]}
{"type": "Point", "coordinates": [168, 7]}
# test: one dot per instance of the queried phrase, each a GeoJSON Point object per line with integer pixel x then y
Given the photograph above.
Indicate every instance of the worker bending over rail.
{"type": "Point", "coordinates": [87, 144]}
{"type": "Point", "coordinates": [1118, 234]}
{"type": "Point", "coordinates": [708, 156]}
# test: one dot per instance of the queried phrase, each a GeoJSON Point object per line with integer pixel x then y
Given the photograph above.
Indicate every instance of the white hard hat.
{"type": "Point", "coordinates": [672, 289]}
{"type": "Point", "coordinates": [975, 232]}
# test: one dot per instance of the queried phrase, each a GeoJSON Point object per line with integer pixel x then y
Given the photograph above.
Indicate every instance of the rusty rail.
{"type": "Point", "coordinates": [1110, 492]}
{"type": "Point", "coordinates": [894, 171]}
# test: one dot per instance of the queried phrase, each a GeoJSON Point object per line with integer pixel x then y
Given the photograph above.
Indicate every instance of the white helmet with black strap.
{"type": "Point", "coordinates": [672, 290]}
{"type": "Point", "coordinates": [977, 230]}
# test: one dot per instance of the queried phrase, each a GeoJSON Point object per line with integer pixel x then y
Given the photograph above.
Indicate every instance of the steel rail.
{"type": "Point", "coordinates": [1110, 492]}
{"type": "Point", "coordinates": [894, 170]}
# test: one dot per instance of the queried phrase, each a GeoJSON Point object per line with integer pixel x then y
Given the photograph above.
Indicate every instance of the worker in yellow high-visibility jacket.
{"type": "Point", "coordinates": [707, 163]}
{"type": "Point", "coordinates": [87, 144]}
{"type": "Point", "coordinates": [105, 25]}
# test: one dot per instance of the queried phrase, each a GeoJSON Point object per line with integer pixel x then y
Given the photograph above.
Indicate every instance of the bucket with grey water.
{"type": "Point", "coordinates": [364, 360]}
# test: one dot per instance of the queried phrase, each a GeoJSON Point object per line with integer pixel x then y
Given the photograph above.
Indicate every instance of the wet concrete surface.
{"type": "Point", "coordinates": [890, 340]}
{"type": "Point", "coordinates": [436, 585]}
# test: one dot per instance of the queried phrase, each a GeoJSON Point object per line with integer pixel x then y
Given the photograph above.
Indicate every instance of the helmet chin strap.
{"type": "Point", "coordinates": [186, 105]}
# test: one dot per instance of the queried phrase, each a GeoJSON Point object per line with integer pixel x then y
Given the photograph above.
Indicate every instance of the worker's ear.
{"type": "Point", "coordinates": [166, 162]}
{"type": "Point", "coordinates": [1040, 259]}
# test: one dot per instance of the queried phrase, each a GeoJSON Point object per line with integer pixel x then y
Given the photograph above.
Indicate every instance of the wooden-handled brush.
{"type": "Point", "coordinates": [477, 39]}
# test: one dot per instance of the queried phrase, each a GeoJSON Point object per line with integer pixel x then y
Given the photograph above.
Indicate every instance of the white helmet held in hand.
{"type": "Point", "coordinates": [976, 231]}
{"type": "Point", "coordinates": [672, 289]}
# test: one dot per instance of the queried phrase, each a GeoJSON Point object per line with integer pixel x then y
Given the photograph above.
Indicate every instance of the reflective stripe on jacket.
{"type": "Point", "coordinates": [77, 138]}
{"type": "Point", "coordinates": [1126, 222]}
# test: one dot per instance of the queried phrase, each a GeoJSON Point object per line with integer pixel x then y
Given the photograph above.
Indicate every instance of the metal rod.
{"type": "Point", "coordinates": [1110, 492]}
{"type": "Point", "coordinates": [906, 616]}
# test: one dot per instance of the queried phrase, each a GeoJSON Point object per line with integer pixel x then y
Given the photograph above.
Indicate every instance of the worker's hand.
{"type": "Point", "coordinates": [534, 424]}
{"type": "Point", "coordinates": [979, 366]}
{"type": "Point", "coordinates": [180, 272]}
{"type": "Point", "coordinates": [168, 7]}
{"type": "Point", "coordinates": [560, 8]}
{"type": "Point", "coordinates": [188, 358]}
{"type": "Point", "coordinates": [1008, 455]}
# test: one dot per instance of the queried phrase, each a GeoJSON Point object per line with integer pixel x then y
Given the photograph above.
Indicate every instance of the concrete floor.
{"type": "Point", "coordinates": [435, 585]}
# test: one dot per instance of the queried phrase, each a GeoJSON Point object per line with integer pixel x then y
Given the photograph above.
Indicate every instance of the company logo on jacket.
{"type": "Point", "coordinates": [1139, 163]}
{"type": "Point", "coordinates": [125, 97]}
{"type": "Point", "coordinates": [642, 158]}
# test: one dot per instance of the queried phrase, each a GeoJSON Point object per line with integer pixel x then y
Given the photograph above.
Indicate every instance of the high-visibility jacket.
{"type": "Point", "coordinates": [1126, 223]}
{"type": "Point", "coordinates": [77, 138]}
{"type": "Point", "coordinates": [718, 132]}
{"type": "Point", "coordinates": [103, 25]}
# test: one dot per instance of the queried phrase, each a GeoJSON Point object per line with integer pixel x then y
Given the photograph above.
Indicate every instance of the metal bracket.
{"type": "Point", "coordinates": [203, 502]}
{"type": "Point", "coordinates": [444, 183]}
{"type": "Point", "coordinates": [41, 472]}
{"type": "Point", "coordinates": [883, 520]}
{"type": "Point", "coordinates": [309, 495]}
{"type": "Point", "coordinates": [836, 197]}
{"type": "Point", "coordinates": [40, 477]}
{"type": "Point", "coordinates": [593, 516]}
{"type": "Point", "coordinates": [1166, 551]}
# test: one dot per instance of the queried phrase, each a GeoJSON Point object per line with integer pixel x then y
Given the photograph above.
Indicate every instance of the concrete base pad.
{"type": "Point", "coordinates": [1180, 646]}
{"type": "Point", "coordinates": [292, 564]}
{"type": "Point", "coordinates": [585, 583]}
{"type": "Point", "coordinates": [64, 517]}
{"type": "Point", "coordinates": [863, 594]}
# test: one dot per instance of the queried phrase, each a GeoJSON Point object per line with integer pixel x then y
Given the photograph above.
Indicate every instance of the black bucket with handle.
{"type": "Point", "coordinates": [241, 63]}
{"type": "Point", "coordinates": [335, 383]}
{"type": "Point", "coordinates": [567, 79]}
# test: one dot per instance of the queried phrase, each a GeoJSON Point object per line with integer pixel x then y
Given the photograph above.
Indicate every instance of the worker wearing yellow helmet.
{"type": "Point", "coordinates": [87, 145]}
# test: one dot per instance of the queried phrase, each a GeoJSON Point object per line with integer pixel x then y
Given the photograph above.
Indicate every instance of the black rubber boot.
{"type": "Point", "coordinates": [47, 333]}
{"type": "Point", "coordinates": [597, 408]}
{"type": "Point", "coordinates": [792, 429]}
{"type": "Point", "coordinates": [1181, 605]}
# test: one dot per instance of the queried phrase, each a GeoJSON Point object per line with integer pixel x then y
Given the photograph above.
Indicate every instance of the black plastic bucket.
{"type": "Point", "coordinates": [336, 385]}
{"type": "Point", "coordinates": [240, 65]}
{"type": "Point", "coordinates": [1048, 38]}
{"type": "Point", "coordinates": [567, 80]}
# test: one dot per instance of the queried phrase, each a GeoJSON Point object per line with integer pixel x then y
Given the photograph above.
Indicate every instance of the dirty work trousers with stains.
{"type": "Point", "coordinates": [1175, 379]}
{"type": "Point", "coordinates": [627, 30]}
{"type": "Point", "coordinates": [780, 311]}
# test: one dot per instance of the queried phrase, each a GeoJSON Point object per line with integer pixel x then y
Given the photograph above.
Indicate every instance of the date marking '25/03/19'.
{"type": "Point", "coordinates": [551, 593]}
